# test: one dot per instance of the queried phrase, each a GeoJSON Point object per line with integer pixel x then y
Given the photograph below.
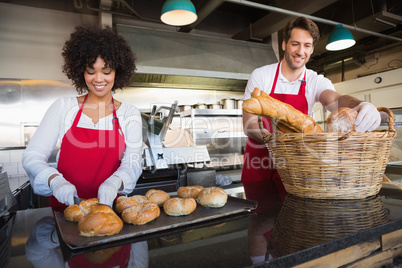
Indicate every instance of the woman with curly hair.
{"type": "Point", "coordinates": [100, 137]}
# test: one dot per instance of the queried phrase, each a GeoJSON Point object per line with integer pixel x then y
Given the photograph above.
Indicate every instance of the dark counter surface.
{"type": "Point", "coordinates": [298, 231]}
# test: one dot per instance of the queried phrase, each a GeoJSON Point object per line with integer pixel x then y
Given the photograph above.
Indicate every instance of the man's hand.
{"type": "Point", "coordinates": [368, 118]}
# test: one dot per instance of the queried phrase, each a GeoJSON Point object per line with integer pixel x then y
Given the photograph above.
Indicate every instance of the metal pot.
{"type": "Point", "coordinates": [239, 104]}
{"type": "Point", "coordinates": [229, 103]}
{"type": "Point", "coordinates": [184, 107]}
{"type": "Point", "coordinates": [200, 106]}
{"type": "Point", "coordinates": [214, 106]}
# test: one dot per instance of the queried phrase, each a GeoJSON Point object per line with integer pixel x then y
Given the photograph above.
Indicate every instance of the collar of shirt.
{"type": "Point", "coordinates": [283, 86]}
{"type": "Point", "coordinates": [284, 80]}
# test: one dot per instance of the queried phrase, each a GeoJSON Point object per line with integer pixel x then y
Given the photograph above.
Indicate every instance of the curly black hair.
{"type": "Point", "coordinates": [86, 43]}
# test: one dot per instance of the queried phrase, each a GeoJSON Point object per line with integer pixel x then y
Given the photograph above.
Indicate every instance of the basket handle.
{"type": "Point", "coordinates": [391, 117]}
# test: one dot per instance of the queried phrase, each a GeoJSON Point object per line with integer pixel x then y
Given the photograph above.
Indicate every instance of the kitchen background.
{"type": "Point", "coordinates": [190, 68]}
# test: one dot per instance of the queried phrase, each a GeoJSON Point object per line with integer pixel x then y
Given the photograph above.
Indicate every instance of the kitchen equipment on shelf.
{"type": "Point", "coordinates": [184, 107]}
{"type": "Point", "coordinates": [220, 130]}
{"type": "Point", "coordinates": [239, 104]}
{"type": "Point", "coordinates": [228, 103]}
{"type": "Point", "coordinates": [200, 106]}
{"type": "Point", "coordinates": [157, 155]}
{"type": "Point", "coordinates": [7, 199]}
{"type": "Point", "coordinates": [214, 106]}
{"type": "Point", "coordinates": [332, 165]}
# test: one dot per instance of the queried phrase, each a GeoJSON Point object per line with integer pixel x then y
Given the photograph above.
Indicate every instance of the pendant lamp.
{"type": "Point", "coordinates": [339, 39]}
{"type": "Point", "coordinates": [178, 12]}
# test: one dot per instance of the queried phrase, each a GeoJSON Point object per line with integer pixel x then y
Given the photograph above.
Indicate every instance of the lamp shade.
{"type": "Point", "coordinates": [178, 12]}
{"type": "Point", "coordinates": [339, 39]}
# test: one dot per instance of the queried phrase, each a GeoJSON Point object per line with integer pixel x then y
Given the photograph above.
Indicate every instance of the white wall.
{"type": "Point", "coordinates": [31, 40]}
{"type": "Point", "coordinates": [387, 93]}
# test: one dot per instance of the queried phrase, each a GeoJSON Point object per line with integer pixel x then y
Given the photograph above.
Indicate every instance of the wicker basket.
{"type": "Point", "coordinates": [303, 223]}
{"type": "Point", "coordinates": [332, 165]}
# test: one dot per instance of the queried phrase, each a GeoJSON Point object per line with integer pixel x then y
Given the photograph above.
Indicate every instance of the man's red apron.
{"type": "Point", "coordinates": [89, 156]}
{"type": "Point", "coordinates": [257, 164]}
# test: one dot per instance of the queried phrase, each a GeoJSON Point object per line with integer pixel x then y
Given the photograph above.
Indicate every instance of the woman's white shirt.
{"type": "Point", "coordinates": [58, 120]}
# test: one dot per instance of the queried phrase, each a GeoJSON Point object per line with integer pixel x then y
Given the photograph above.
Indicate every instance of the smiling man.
{"type": "Point", "coordinates": [291, 82]}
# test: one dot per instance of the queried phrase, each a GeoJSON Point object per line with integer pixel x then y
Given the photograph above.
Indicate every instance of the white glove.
{"type": "Point", "coordinates": [63, 190]}
{"type": "Point", "coordinates": [368, 118]}
{"type": "Point", "coordinates": [108, 190]}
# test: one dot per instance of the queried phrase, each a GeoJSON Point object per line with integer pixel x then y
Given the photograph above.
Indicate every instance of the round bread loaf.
{"type": "Point", "coordinates": [73, 213]}
{"type": "Point", "coordinates": [102, 220]}
{"type": "Point", "coordinates": [177, 206]}
{"type": "Point", "coordinates": [157, 196]}
{"type": "Point", "coordinates": [141, 213]}
{"type": "Point", "coordinates": [342, 120]}
{"type": "Point", "coordinates": [189, 191]}
{"type": "Point", "coordinates": [88, 205]}
{"type": "Point", "coordinates": [123, 202]}
{"type": "Point", "coordinates": [213, 197]}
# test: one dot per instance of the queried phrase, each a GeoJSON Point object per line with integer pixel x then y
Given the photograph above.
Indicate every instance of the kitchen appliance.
{"type": "Point", "coordinates": [157, 156]}
{"type": "Point", "coordinates": [220, 130]}
{"type": "Point", "coordinates": [7, 199]}
{"type": "Point", "coordinates": [394, 166]}
{"type": "Point", "coordinates": [228, 103]}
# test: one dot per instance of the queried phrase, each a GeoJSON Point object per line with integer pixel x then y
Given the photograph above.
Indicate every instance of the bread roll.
{"type": "Point", "coordinates": [141, 213]}
{"type": "Point", "coordinates": [88, 205]}
{"type": "Point", "coordinates": [157, 196]}
{"type": "Point", "coordinates": [189, 191]}
{"type": "Point", "coordinates": [102, 220]}
{"type": "Point", "coordinates": [73, 213]}
{"type": "Point", "coordinates": [342, 120]}
{"type": "Point", "coordinates": [213, 197]}
{"type": "Point", "coordinates": [285, 116]}
{"type": "Point", "coordinates": [123, 202]}
{"type": "Point", "coordinates": [177, 206]}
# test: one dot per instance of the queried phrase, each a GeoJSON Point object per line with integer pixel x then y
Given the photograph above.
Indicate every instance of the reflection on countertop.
{"type": "Point", "coordinates": [300, 230]}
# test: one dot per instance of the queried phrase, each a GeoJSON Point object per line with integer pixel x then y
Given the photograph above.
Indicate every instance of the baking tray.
{"type": "Point", "coordinates": [71, 236]}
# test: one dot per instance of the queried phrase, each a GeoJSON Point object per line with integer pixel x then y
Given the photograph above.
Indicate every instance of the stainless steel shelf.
{"type": "Point", "coordinates": [211, 112]}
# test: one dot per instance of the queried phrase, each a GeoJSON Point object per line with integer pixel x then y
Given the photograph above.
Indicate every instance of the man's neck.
{"type": "Point", "coordinates": [289, 73]}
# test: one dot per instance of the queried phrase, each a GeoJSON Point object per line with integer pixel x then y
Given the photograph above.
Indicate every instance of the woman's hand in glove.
{"type": "Point", "coordinates": [108, 190]}
{"type": "Point", "coordinates": [63, 190]}
{"type": "Point", "coordinates": [368, 118]}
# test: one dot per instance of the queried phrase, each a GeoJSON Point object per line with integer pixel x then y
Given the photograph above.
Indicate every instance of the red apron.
{"type": "Point", "coordinates": [119, 258]}
{"type": "Point", "coordinates": [257, 164]}
{"type": "Point", "coordinates": [89, 156]}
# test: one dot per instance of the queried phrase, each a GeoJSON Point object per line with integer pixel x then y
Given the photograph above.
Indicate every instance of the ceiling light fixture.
{"type": "Point", "coordinates": [178, 12]}
{"type": "Point", "coordinates": [340, 38]}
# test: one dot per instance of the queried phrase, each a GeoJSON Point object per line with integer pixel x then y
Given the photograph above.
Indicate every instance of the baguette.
{"type": "Point", "coordinates": [285, 116]}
